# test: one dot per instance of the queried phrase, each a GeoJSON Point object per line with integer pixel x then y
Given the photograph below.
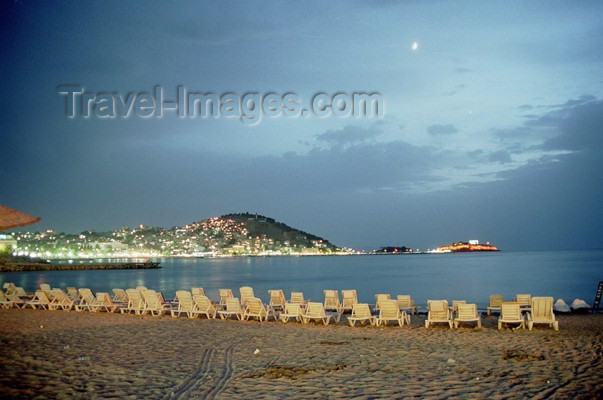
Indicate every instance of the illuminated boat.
{"type": "Point", "coordinates": [472, 245]}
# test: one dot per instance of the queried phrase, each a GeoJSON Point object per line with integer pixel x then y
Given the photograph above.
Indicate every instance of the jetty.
{"type": "Point", "coordinates": [18, 267]}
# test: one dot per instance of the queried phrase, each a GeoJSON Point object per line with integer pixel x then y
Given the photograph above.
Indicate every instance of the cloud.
{"type": "Point", "coordinates": [500, 156]}
{"type": "Point", "coordinates": [442, 129]}
{"type": "Point", "coordinates": [348, 135]}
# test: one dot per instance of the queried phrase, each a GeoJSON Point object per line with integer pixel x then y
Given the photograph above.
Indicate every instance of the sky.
{"type": "Point", "coordinates": [491, 125]}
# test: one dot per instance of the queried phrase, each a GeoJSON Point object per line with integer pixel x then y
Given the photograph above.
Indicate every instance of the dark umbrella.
{"type": "Point", "coordinates": [10, 218]}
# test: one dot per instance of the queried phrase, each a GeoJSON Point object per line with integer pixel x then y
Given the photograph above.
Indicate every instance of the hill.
{"type": "Point", "coordinates": [227, 235]}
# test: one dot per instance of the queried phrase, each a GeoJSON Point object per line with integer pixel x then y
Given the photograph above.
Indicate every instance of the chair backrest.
{"type": "Point", "coordinates": [496, 300]}
{"type": "Point", "coordinates": [141, 290]}
{"type": "Point", "coordinates": [120, 295]}
{"type": "Point", "coordinates": [331, 299]}
{"type": "Point", "coordinates": [135, 299]}
{"type": "Point", "coordinates": [42, 297]}
{"type": "Point", "coordinates": [542, 307]}
{"type": "Point", "coordinates": [297, 298]}
{"type": "Point", "coordinates": [350, 297]}
{"type": "Point", "coordinates": [510, 311]}
{"type": "Point", "coordinates": [183, 295]}
{"type": "Point", "coordinates": [455, 304]}
{"type": "Point", "coordinates": [293, 309]}
{"type": "Point", "coordinates": [361, 310]}
{"type": "Point", "coordinates": [73, 294]}
{"type": "Point", "coordinates": [59, 295]}
{"type": "Point", "coordinates": [19, 291]}
{"type": "Point", "coordinates": [233, 305]}
{"type": "Point", "coordinates": [437, 309]}
{"type": "Point", "coordinates": [185, 300]}
{"type": "Point", "coordinates": [45, 287]}
{"type": "Point", "coordinates": [225, 294]}
{"type": "Point", "coordinates": [198, 290]}
{"type": "Point", "coordinates": [86, 295]}
{"type": "Point", "coordinates": [246, 293]}
{"type": "Point", "coordinates": [466, 311]}
{"type": "Point", "coordinates": [107, 300]}
{"type": "Point", "coordinates": [277, 298]}
{"type": "Point", "coordinates": [523, 299]}
{"type": "Point", "coordinates": [389, 309]}
{"type": "Point", "coordinates": [381, 297]}
{"type": "Point", "coordinates": [255, 306]}
{"type": "Point", "coordinates": [202, 302]}
{"type": "Point", "coordinates": [10, 287]}
{"type": "Point", "coordinates": [315, 309]}
{"type": "Point", "coordinates": [404, 301]}
{"type": "Point", "coordinates": [151, 299]}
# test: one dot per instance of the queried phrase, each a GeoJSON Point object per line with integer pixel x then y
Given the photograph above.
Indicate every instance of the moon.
{"type": "Point", "coordinates": [414, 46]}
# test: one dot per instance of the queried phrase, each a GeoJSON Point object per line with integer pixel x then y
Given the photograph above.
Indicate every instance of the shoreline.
{"type": "Point", "coordinates": [57, 354]}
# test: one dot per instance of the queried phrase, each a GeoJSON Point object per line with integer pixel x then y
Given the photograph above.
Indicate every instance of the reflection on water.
{"type": "Point", "coordinates": [472, 277]}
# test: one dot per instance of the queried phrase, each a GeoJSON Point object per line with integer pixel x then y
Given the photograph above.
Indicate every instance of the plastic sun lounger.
{"type": "Point", "coordinates": [542, 313]}
{"type": "Point", "coordinates": [349, 299]}
{"type": "Point", "coordinates": [203, 306]}
{"type": "Point", "coordinates": [185, 304]}
{"type": "Point", "coordinates": [277, 299]}
{"type": "Point", "coordinates": [9, 287]}
{"type": "Point", "coordinates": [198, 291]}
{"type": "Point", "coordinates": [16, 300]}
{"type": "Point", "coordinates": [438, 312]}
{"type": "Point", "coordinates": [4, 301]}
{"type": "Point", "coordinates": [224, 295]}
{"type": "Point", "coordinates": [495, 302]}
{"type": "Point", "coordinates": [380, 297]}
{"type": "Point", "coordinates": [135, 302]}
{"type": "Point", "coordinates": [87, 299]}
{"type": "Point", "coordinates": [361, 312]}
{"type": "Point", "coordinates": [292, 310]}
{"type": "Point", "coordinates": [298, 298]}
{"type": "Point", "coordinates": [61, 300]}
{"type": "Point", "coordinates": [332, 302]}
{"type": "Point", "coordinates": [389, 311]}
{"type": "Point", "coordinates": [73, 294]}
{"type": "Point", "coordinates": [510, 313]}
{"type": "Point", "coordinates": [120, 296]}
{"type": "Point", "coordinates": [102, 302]}
{"type": "Point", "coordinates": [254, 308]}
{"type": "Point", "coordinates": [233, 308]}
{"type": "Point", "coordinates": [316, 311]}
{"type": "Point", "coordinates": [40, 300]}
{"type": "Point", "coordinates": [524, 300]}
{"type": "Point", "coordinates": [153, 303]}
{"type": "Point", "coordinates": [467, 313]}
{"type": "Point", "coordinates": [405, 303]}
{"type": "Point", "coordinates": [246, 293]}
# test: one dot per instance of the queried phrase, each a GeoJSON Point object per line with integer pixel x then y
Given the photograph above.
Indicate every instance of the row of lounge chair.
{"type": "Point", "coordinates": [140, 300]}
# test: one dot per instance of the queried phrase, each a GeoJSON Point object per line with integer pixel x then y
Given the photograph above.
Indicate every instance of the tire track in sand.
{"type": "Point", "coordinates": [226, 374]}
{"type": "Point", "coordinates": [198, 375]}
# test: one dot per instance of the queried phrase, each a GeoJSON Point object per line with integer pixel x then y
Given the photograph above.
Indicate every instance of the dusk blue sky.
{"type": "Point", "coordinates": [492, 127]}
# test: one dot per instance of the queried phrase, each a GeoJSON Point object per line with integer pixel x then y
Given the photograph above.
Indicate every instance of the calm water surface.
{"type": "Point", "coordinates": [472, 277]}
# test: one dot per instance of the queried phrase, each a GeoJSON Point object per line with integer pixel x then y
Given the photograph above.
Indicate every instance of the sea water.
{"type": "Point", "coordinates": [459, 276]}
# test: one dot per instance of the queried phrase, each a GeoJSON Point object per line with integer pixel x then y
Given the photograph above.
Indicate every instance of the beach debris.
{"type": "Point", "coordinates": [66, 347]}
{"type": "Point", "coordinates": [561, 306]}
{"type": "Point", "coordinates": [451, 361]}
{"type": "Point", "coordinates": [41, 326]}
{"type": "Point", "coordinates": [256, 352]}
{"type": "Point", "coordinates": [579, 305]}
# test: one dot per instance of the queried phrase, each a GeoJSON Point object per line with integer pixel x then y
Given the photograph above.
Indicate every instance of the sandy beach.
{"type": "Point", "coordinates": [66, 355]}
